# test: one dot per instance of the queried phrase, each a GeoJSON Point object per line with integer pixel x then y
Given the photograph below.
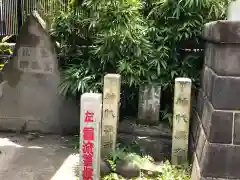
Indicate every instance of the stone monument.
{"type": "Point", "coordinates": [30, 99]}
{"type": "Point", "coordinates": [215, 130]}
{"type": "Point", "coordinates": [149, 104]}
{"type": "Point", "coordinates": [90, 136]}
{"type": "Point", "coordinates": [111, 101]}
{"type": "Point", "coordinates": [181, 115]}
{"type": "Point", "coordinates": [233, 13]}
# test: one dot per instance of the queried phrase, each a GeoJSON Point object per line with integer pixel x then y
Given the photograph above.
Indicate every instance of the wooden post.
{"type": "Point", "coordinates": [90, 136]}
{"type": "Point", "coordinates": [111, 100]}
{"type": "Point", "coordinates": [181, 114]}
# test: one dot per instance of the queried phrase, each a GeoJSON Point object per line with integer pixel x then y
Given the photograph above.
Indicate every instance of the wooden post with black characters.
{"type": "Point", "coordinates": [181, 116]}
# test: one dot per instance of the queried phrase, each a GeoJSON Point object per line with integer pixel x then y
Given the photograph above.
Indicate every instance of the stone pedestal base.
{"type": "Point", "coordinates": [215, 126]}
{"type": "Point", "coordinates": [212, 160]}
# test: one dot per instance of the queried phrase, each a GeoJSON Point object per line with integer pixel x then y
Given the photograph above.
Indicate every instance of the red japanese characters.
{"type": "Point", "coordinates": [88, 147]}
{"type": "Point", "coordinates": [88, 117]}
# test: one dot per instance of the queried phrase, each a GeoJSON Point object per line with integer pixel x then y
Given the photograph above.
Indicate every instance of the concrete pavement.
{"type": "Point", "coordinates": [42, 158]}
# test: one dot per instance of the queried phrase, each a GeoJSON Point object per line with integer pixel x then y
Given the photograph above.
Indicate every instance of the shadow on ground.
{"type": "Point", "coordinates": [40, 158]}
{"type": "Point", "coordinates": [155, 141]}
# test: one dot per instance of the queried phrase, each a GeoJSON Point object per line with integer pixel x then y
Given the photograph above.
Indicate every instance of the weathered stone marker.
{"type": "Point", "coordinates": [233, 11]}
{"type": "Point", "coordinates": [181, 114]}
{"type": "Point", "coordinates": [149, 104]}
{"type": "Point", "coordinates": [111, 100]}
{"type": "Point", "coordinates": [30, 100]}
{"type": "Point", "coordinates": [90, 136]}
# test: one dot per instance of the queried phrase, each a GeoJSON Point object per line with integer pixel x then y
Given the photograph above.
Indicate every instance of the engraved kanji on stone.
{"type": "Point", "coordinates": [182, 85]}
{"type": "Point", "coordinates": [108, 136]}
{"type": "Point", "coordinates": [47, 66]}
{"type": "Point", "coordinates": [181, 100]}
{"type": "Point", "coordinates": [179, 150]}
{"type": "Point", "coordinates": [108, 129]}
{"type": "Point", "coordinates": [87, 173]}
{"type": "Point", "coordinates": [107, 144]}
{"type": "Point", "coordinates": [88, 117]}
{"type": "Point", "coordinates": [179, 117]}
{"type": "Point", "coordinates": [24, 64]}
{"type": "Point", "coordinates": [26, 52]}
{"type": "Point", "coordinates": [108, 112]}
{"type": "Point", "coordinates": [88, 148]}
{"type": "Point", "coordinates": [35, 65]}
{"type": "Point", "coordinates": [181, 135]}
{"type": "Point", "coordinates": [87, 159]}
{"type": "Point", "coordinates": [180, 153]}
{"type": "Point", "coordinates": [88, 134]}
{"type": "Point", "coordinates": [43, 53]}
{"type": "Point", "coordinates": [109, 95]}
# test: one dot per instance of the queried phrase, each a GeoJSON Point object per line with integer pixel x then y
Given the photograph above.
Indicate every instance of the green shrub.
{"type": "Point", "coordinates": [141, 40]}
{"type": "Point", "coordinates": [100, 37]}
{"type": "Point", "coordinates": [175, 24]}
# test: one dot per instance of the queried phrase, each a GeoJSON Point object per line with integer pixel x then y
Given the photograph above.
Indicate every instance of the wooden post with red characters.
{"type": "Point", "coordinates": [90, 136]}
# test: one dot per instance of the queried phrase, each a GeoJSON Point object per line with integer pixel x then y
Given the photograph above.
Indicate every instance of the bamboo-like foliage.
{"type": "Point", "coordinates": [172, 25]}
{"type": "Point", "coordinates": [141, 40]}
{"type": "Point", "coordinates": [105, 37]}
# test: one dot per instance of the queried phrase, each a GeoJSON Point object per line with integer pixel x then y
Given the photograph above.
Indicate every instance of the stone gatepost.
{"type": "Point", "coordinates": [181, 113]}
{"type": "Point", "coordinates": [111, 101]}
{"type": "Point", "coordinates": [90, 136]}
{"type": "Point", "coordinates": [216, 122]}
{"type": "Point", "coordinates": [149, 104]}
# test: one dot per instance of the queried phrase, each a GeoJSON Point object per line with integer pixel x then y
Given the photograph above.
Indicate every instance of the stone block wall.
{"type": "Point", "coordinates": [215, 127]}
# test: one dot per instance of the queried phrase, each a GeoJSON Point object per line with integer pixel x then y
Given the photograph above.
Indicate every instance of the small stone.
{"type": "Point", "coordinates": [105, 168]}
{"type": "Point", "coordinates": [32, 136]}
{"type": "Point", "coordinates": [151, 169]}
{"type": "Point", "coordinates": [127, 169]}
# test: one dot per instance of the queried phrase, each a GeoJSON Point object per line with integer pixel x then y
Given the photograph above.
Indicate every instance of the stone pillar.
{"type": "Point", "coordinates": [181, 114]}
{"type": "Point", "coordinates": [233, 13]}
{"type": "Point", "coordinates": [215, 129]}
{"type": "Point", "coordinates": [90, 136]}
{"type": "Point", "coordinates": [111, 101]}
{"type": "Point", "coordinates": [149, 104]}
